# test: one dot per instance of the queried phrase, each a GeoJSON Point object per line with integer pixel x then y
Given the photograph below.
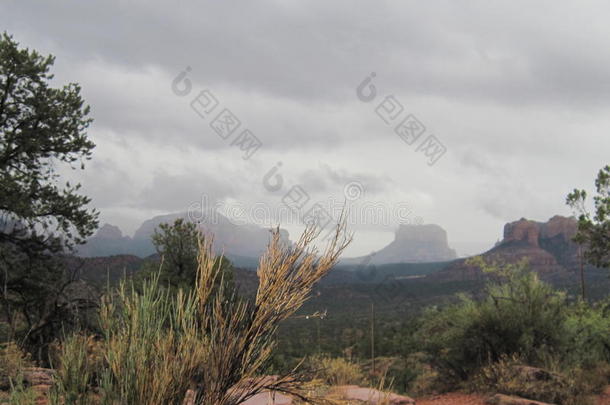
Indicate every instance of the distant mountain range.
{"type": "Point", "coordinates": [242, 244]}
{"type": "Point", "coordinates": [548, 246]}
{"type": "Point", "coordinates": [400, 288]}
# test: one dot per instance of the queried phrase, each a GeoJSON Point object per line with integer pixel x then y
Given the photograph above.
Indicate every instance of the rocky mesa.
{"type": "Point", "coordinates": [413, 244]}
{"type": "Point", "coordinates": [548, 247]}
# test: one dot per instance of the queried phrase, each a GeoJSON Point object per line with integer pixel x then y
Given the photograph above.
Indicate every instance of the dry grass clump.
{"type": "Point", "coordinates": [13, 362]}
{"type": "Point", "coordinates": [336, 371]}
{"type": "Point", "coordinates": [511, 377]}
{"type": "Point", "coordinates": [20, 395]}
{"type": "Point", "coordinates": [78, 361]}
{"type": "Point", "coordinates": [241, 334]}
{"type": "Point", "coordinates": [152, 346]}
{"type": "Point", "coordinates": [157, 345]}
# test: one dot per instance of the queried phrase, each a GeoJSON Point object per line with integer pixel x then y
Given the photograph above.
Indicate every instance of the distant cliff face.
{"type": "Point", "coordinates": [419, 243]}
{"type": "Point", "coordinates": [522, 231]}
{"type": "Point", "coordinates": [107, 241]}
{"type": "Point", "coordinates": [558, 230]}
{"type": "Point", "coordinates": [413, 244]}
{"type": "Point", "coordinates": [109, 232]}
{"type": "Point", "coordinates": [548, 247]}
{"type": "Point", "coordinates": [240, 241]}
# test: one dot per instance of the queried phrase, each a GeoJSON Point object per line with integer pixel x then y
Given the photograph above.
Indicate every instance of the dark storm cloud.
{"type": "Point", "coordinates": [510, 52]}
{"type": "Point", "coordinates": [518, 92]}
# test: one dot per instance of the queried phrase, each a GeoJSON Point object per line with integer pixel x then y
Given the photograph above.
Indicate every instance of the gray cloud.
{"type": "Point", "coordinates": [510, 52]}
{"type": "Point", "coordinates": [518, 92]}
{"type": "Point", "coordinates": [169, 193]}
{"type": "Point", "coordinates": [327, 179]}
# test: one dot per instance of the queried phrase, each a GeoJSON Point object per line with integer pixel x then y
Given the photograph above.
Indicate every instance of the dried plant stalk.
{"type": "Point", "coordinates": [241, 334]}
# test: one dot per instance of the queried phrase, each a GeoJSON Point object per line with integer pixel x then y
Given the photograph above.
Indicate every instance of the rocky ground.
{"type": "Point", "coordinates": [41, 379]}
{"type": "Point", "coordinates": [453, 398]}
{"type": "Point", "coordinates": [358, 395]}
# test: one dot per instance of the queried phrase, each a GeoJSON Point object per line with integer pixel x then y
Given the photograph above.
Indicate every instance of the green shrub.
{"type": "Point", "coordinates": [416, 376]}
{"type": "Point", "coordinates": [336, 371]}
{"type": "Point", "coordinates": [151, 346]}
{"type": "Point", "coordinates": [526, 319]}
{"type": "Point", "coordinates": [19, 395]}
{"type": "Point", "coordinates": [507, 376]}
{"type": "Point", "coordinates": [522, 321]}
{"type": "Point", "coordinates": [520, 315]}
{"type": "Point", "coordinates": [588, 333]}
{"type": "Point", "coordinates": [79, 362]}
{"type": "Point", "coordinates": [12, 362]}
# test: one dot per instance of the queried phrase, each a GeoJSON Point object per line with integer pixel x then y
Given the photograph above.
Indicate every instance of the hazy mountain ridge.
{"type": "Point", "coordinates": [548, 246]}
{"type": "Point", "coordinates": [241, 243]}
{"type": "Point", "coordinates": [411, 244]}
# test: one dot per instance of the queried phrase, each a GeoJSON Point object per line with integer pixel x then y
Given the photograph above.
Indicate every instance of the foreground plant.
{"type": "Point", "coordinates": [241, 335]}
{"type": "Point", "coordinates": [158, 344]}
{"type": "Point", "coordinates": [76, 371]}
{"type": "Point", "coordinates": [152, 348]}
{"type": "Point", "coordinates": [13, 363]}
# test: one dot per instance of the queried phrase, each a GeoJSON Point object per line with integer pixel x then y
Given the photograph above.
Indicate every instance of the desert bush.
{"type": "Point", "coordinates": [152, 346]}
{"type": "Point", "coordinates": [511, 376]}
{"type": "Point", "coordinates": [522, 321]}
{"type": "Point", "coordinates": [414, 376]}
{"type": "Point", "coordinates": [588, 333]}
{"type": "Point", "coordinates": [78, 362]}
{"type": "Point", "coordinates": [520, 315]}
{"type": "Point", "coordinates": [336, 371]}
{"type": "Point", "coordinates": [19, 395]}
{"type": "Point", "coordinates": [13, 360]}
{"type": "Point", "coordinates": [241, 337]}
{"type": "Point", "coordinates": [592, 379]}
{"type": "Point", "coordinates": [159, 343]}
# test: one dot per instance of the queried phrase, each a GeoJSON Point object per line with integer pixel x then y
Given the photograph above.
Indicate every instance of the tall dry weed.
{"type": "Point", "coordinates": [157, 345]}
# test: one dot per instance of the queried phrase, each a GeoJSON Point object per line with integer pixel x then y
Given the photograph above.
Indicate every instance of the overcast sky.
{"type": "Point", "coordinates": [518, 93]}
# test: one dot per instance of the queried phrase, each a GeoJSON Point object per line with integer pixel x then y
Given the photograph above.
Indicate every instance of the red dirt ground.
{"type": "Point", "coordinates": [453, 398]}
{"type": "Point", "coordinates": [604, 399]}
